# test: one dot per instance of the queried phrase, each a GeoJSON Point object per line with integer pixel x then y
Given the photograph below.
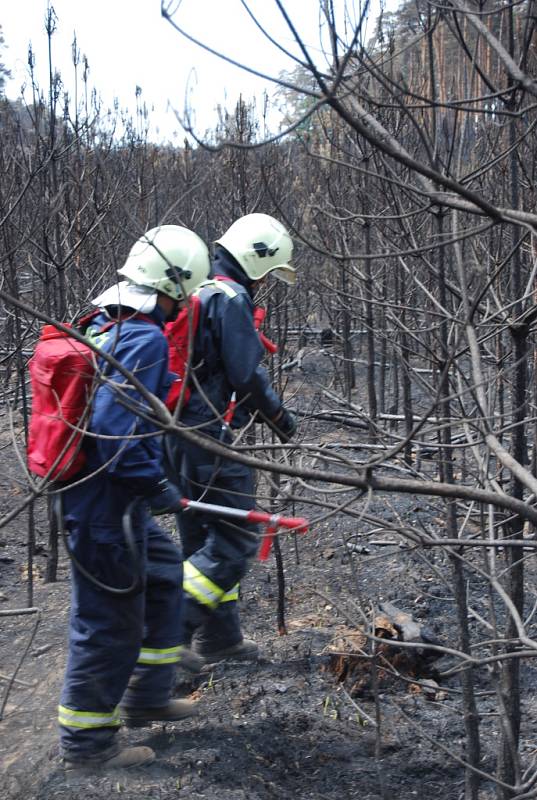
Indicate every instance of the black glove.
{"type": "Point", "coordinates": [284, 425]}
{"type": "Point", "coordinates": [165, 498]}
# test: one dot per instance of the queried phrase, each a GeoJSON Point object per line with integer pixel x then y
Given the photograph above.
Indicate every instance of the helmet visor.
{"type": "Point", "coordinates": [286, 274]}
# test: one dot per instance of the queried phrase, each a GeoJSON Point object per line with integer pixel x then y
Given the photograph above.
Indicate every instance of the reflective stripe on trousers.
{"type": "Point", "coordinates": [200, 587]}
{"type": "Point", "coordinates": [233, 594]}
{"type": "Point", "coordinates": [88, 719]}
{"type": "Point", "coordinates": [153, 656]}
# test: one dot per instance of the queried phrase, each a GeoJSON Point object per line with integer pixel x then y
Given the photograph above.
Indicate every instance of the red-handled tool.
{"type": "Point", "coordinates": [259, 315]}
{"type": "Point", "coordinates": [230, 410]}
{"type": "Point", "coordinates": [267, 343]}
{"type": "Point", "coordinates": [272, 521]}
{"type": "Point", "coordinates": [266, 544]}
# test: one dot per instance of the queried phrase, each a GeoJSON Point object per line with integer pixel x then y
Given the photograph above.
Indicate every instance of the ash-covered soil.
{"type": "Point", "coordinates": [279, 728]}
{"type": "Point", "coordinates": [288, 726]}
{"type": "Point", "coordinates": [300, 723]}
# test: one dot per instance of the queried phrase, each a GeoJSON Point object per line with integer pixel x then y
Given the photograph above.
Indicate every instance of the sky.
{"type": "Point", "coordinates": [129, 44]}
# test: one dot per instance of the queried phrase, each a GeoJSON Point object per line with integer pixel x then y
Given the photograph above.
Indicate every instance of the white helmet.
{"type": "Point", "coordinates": [261, 245]}
{"type": "Point", "coordinates": [168, 259]}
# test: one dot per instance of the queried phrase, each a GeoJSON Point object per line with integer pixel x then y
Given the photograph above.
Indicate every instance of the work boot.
{"type": "Point", "coordinates": [246, 650]}
{"type": "Point", "coordinates": [173, 711]}
{"type": "Point", "coordinates": [125, 758]}
{"type": "Point", "coordinates": [191, 661]}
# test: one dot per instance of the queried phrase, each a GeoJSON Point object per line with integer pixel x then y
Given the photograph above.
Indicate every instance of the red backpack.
{"type": "Point", "coordinates": [179, 333]}
{"type": "Point", "coordinates": [62, 372]}
{"type": "Point", "coordinates": [182, 330]}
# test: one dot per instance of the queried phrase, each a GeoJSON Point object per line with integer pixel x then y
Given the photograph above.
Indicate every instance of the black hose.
{"type": "Point", "coordinates": [136, 558]}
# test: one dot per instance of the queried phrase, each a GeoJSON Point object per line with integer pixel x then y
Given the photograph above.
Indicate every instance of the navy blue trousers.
{"type": "Point", "coordinates": [121, 648]}
{"type": "Point", "coordinates": [219, 549]}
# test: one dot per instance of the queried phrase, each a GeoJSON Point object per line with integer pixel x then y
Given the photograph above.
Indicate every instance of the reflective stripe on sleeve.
{"type": "Point", "coordinates": [88, 719]}
{"type": "Point", "coordinates": [233, 594]}
{"type": "Point", "coordinates": [200, 587]}
{"type": "Point", "coordinates": [153, 655]}
{"type": "Point", "coordinates": [221, 286]}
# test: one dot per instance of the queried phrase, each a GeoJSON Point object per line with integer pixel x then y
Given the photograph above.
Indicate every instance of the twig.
{"type": "Point", "coordinates": [24, 684]}
{"type": "Point", "coordinates": [358, 709]}
{"type": "Point", "coordinates": [23, 656]}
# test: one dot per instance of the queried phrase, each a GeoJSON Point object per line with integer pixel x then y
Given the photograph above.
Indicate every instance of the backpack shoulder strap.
{"type": "Point", "coordinates": [186, 322]}
{"type": "Point", "coordinates": [219, 283]}
{"type": "Point", "coordinates": [85, 321]}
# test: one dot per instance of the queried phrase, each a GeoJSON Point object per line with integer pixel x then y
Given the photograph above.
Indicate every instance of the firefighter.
{"type": "Point", "coordinates": [226, 363]}
{"type": "Point", "coordinates": [123, 649]}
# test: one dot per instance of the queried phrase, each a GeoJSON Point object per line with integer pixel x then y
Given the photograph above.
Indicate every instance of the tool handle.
{"type": "Point", "coordinates": [267, 343]}
{"type": "Point", "coordinates": [266, 544]}
{"type": "Point", "coordinates": [298, 524]}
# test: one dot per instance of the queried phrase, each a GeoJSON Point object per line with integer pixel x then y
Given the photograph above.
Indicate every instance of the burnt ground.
{"type": "Point", "coordinates": [300, 723]}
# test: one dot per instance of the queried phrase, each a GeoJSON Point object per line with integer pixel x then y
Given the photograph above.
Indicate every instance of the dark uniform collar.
{"type": "Point", "coordinates": [225, 264]}
{"type": "Point", "coordinates": [158, 316]}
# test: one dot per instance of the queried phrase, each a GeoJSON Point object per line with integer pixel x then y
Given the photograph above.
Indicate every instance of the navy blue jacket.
{"type": "Point", "coordinates": [140, 346]}
{"type": "Point", "coordinates": [227, 353]}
